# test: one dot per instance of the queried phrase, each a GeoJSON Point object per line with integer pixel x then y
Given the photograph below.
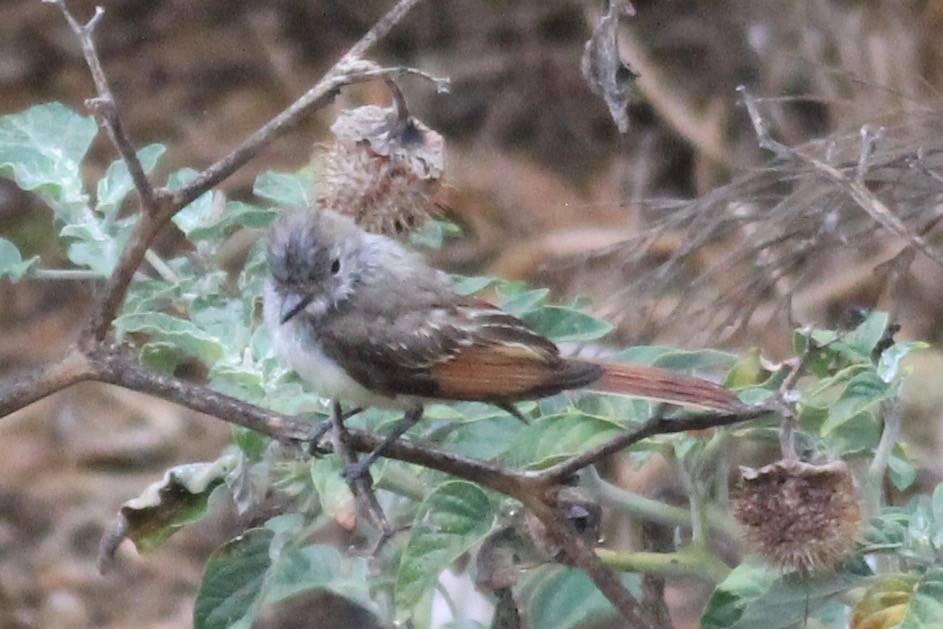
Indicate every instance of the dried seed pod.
{"type": "Point", "coordinates": [383, 169]}
{"type": "Point", "coordinates": [799, 515]}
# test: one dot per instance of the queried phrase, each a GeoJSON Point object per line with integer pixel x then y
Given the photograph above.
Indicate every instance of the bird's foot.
{"type": "Point", "coordinates": [357, 471]}
{"type": "Point", "coordinates": [314, 439]}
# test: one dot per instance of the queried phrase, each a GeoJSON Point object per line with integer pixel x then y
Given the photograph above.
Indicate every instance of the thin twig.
{"type": "Point", "coordinates": [104, 105]}
{"type": "Point", "coordinates": [857, 189]}
{"type": "Point", "coordinates": [657, 425]}
{"type": "Point", "coordinates": [321, 94]}
{"type": "Point", "coordinates": [362, 486]}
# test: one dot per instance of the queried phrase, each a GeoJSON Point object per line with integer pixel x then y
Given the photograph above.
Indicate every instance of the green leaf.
{"type": "Point", "coordinates": [563, 325]}
{"type": "Point", "coordinates": [12, 264]}
{"type": "Point", "coordinates": [470, 284]}
{"type": "Point", "coordinates": [747, 371]}
{"type": "Point", "coordinates": [864, 338]}
{"type": "Point", "coordinates": [117, 182]}
{"type": "Point", "coordinates": [233, 580]}
{"type": "Point", "coordinates": [199, 211]}
{"type": "Point", "coordinates": [97, 244]}
{"type": "Point", "coordinates": [41, 149]}
{"type": "Point", "coordinates": [320, 567]}
{"type": "Point", "coordinates": [889, 363]}
{"type": "Point", "coordinates": [551, 439]}
{"type": "Point", "coordinates": [162, 356]}
{"type": "Point", "coordinates": [926, 607]}
{"type": "Point", "coordinates": [453, 518]}
{"type": "Point", "coordinates": [429, 235]}
{"type": "Point", "coordinates": [902, 469]}
{"type": "Point", "coordinates": [863, 391]}
{"type": "Point", "coordinates": [677, 360]}
{"type": "Point", "coordinates": [182, 496]}
{"type": "Point", "coordinates": [333, 492]}
{"type": "Point", "coordinates": [189, 338]}
{"type": "Point", "coordinates": [754, 595]}
{"type": "Point", "coordinates": [566, 598]}
{"type": "Point", "coordinates": [519, 304]}
{"type": "Point", "coordinates": [236, 214]}
{"type": "Point", "coordinates": [285, 189]}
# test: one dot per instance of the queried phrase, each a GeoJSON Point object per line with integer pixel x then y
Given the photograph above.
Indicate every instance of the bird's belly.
{"type": "Point", "coordinates": [326, 377]}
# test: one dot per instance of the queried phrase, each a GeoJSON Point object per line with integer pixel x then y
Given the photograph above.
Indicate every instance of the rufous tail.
{"type": "Point", "coordinates": [664, 385]}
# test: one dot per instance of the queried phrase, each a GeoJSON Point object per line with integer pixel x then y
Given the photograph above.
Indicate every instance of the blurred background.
{"type": "Point", "coordinates": [683, 231]}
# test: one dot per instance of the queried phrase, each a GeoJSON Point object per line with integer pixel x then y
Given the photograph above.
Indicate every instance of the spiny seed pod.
{"type": "Point", "coordinates": [383, 168]}
{"type": "Point", "coordinates": [799, 515]}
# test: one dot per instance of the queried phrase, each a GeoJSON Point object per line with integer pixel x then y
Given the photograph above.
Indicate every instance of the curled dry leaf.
{"type": "Point", "coordinates": [179, 498]}
{"type": "Point", "coordinates": [606, 73]}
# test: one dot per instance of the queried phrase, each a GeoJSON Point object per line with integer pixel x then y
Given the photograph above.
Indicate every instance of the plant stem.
{"type": "Point", "coordinates": [874, 478]}
{"type": "Point", "coordinates": [73, 275]}
{"type": "Point", "coordinates": [690, 561]}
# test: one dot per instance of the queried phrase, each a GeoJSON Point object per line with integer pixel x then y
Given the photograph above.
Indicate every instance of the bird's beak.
{"type": "Point", "coordinates": [293, 304]}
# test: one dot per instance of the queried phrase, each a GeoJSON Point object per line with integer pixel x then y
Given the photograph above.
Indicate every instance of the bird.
{"type": "Point", "coordinates": [367, 322]}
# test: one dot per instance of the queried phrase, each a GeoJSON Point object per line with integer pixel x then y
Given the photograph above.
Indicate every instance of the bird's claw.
{"type": "Point", "coordinates": [357, 471]}
{"type": "Point", "coordinates": [313, 440]}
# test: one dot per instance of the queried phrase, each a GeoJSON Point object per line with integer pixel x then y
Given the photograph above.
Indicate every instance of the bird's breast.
{"type": "Point", "coordinates": [304, 354]}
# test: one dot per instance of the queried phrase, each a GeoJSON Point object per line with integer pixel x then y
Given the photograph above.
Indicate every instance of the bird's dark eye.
{"type": "Point", "coordinates": [335, 266]}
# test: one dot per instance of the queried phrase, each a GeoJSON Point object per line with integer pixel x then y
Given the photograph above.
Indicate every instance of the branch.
{"type": "Point", "coordinates": [342, 73]}
{"type": "Point", "coordinates": [361, 487]}
{"type": "Point", "coordinates": [856, 188]}
{"type": "Point", "coordinates": [104, 106]}
{"type": "Point", "coordinates": [21, 390]}
{"type": "Point", "coordinates": [564, 536]}
{"type": "Point", "coordinates": [657, 425]}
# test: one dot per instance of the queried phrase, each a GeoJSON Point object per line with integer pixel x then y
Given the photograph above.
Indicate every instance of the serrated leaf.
{"type": "Point", "coordinates": [453, 518]}
{"type": "Point", "coordinates": [12, 264]}
{"type": "Point", "coordinates": [182, 496]}
{"type": "Point", "coordinates": [562, 325]}
{"type": "Point", "coordinates": [95, 243]}
{"type": "Point", "coordinates": [566, 598]}
{"type": "Point", "coordinates": [184, 334]}
{"type": "Point", "coordinates": [335, 496]}
{"type": "Point", "coordinates": [232, 581]}
{"type": "Point", "coordinates": [41, 149]}
{"type": "Point", "coordinates": [117, 182]}
{"type": "Point", "coordinates": [285, 189]}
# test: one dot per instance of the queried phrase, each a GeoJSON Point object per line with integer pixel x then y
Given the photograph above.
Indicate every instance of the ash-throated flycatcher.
{"type": "Point", "coordinates": [367, 322]}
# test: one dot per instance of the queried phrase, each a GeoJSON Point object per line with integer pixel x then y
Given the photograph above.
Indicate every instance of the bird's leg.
{"type": "Point", "coordinates": [509, 408]}
{"type": "Point", "coordinates": [321, 429]}
{"type": "Point", "coordinates": [360, 469]}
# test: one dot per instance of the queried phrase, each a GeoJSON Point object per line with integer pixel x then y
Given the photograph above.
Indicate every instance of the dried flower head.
{"type": "Point", "coordinates": [383, 168]}
{"type": "Point", "coordinates": [799, 515]}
